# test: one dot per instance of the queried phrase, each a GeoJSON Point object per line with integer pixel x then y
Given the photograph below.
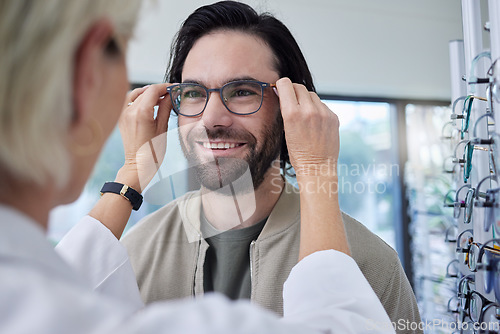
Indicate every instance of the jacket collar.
{"type": "Point", "coordinates": [284, 214]}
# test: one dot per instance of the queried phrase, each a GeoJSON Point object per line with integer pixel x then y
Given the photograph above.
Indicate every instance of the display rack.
{"type": "Point", "coordinates": [464, 293]}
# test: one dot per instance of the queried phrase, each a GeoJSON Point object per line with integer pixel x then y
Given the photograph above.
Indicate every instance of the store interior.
{"type": "Point", "coordinates": [416, 87]}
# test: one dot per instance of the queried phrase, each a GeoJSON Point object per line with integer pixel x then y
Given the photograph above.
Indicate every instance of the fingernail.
{"type": "Point", "coordinates": [276, 91]}
{"type": "Point", "coordinates": [146, 86]}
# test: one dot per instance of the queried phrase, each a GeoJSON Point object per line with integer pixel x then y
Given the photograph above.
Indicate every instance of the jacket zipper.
{"type": "Point", "coordinates": [252, 244]}
{"type": "Point", "coordinates": [197, 262]}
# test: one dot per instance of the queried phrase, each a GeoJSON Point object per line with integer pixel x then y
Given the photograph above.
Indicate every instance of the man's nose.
{"type": "Point", "coordinates": [216, 113]}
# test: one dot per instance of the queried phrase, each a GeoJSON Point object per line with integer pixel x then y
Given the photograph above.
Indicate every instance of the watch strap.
{"type": "Point", "coordinates": [125, 191]}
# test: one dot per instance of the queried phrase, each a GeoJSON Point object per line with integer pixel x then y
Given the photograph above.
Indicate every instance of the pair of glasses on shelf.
{"type": "Point", "coordinates": [486, 257]}
{"type": "Point", "coordinates": [465, 161]}
{"type": "Point", "coordinates": [472, 199]}
{"type": "Point", "coordinates": [472, 308]}
{"type": "Point", "coordinates": [466, 112]}
{"type": "Point", "coordinates": [452, 200]}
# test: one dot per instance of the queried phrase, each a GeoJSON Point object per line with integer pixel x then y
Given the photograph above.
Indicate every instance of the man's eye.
{"type": "Point", "coordinates": [242, 92]}
{"type": "Point", "coordinates": [192, 94]}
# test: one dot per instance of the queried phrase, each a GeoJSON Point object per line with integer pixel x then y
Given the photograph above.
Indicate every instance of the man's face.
{"type": "Point", "coordinates": [246, 141]}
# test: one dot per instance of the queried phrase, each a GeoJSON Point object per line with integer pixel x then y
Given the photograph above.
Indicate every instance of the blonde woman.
{"type": "Point", "coordinates": [63, 84]}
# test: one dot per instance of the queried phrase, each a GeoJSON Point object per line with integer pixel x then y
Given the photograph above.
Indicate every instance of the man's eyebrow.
{"type": "Point", "coordinates": [242, 78]}
{"type": "Point", "coordinates": [245, 78]}
{"type": "Point", "coordinates": [192, 82]}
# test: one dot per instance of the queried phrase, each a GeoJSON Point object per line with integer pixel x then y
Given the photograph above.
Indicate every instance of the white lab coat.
{"type": "Point", "coordinates": [41, 293]}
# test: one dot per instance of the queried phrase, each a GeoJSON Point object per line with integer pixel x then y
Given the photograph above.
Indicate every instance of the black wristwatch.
{"type": "Point", "coordinates": [122, 189]}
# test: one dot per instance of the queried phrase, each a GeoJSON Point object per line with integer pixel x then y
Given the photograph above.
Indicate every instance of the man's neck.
{"type": "Point", "coordinates": [232, 208]}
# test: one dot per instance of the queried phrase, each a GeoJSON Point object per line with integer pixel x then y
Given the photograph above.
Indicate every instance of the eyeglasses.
{"type": "Point", "coordinates": [242, 97]}
{"type": "Point", "coordinates": [476, 140]}
{"type": "Point", "coordinates": [476, 305]}
{"type": "Point", "coordinates": [491, 204]}
{"type": "Point", "coordinates": [465, 286]}
{"type": "Point", "coordinates": [466, 159]}
{"type": "Point", "coordinates": [473, 194]}
{"type": "Point", "coordinates": [457, 204]}
{"type": "Point", "coordinates": [454, 307]}
{"type": "Point", "coordinates": [466, 112]}
{"type": "Point", "coordinates": [493, 141]}
{"type": "Point", "coordinates": [489, 317]}
{"type": "Point", "coordinates": [488, 258]}
{"type": "Point", "coordinates": [494, 86]}
{"type": "Point", "coordinates": [492, 214]}
{"type": "Point", "coordinates": [476, 253]}
{"type": "Point", "coordinates": [469, 303]}
{"type": "Point", "coordinates": [472, 78]}
{"type": "Point", "coordinates": [464, 242]}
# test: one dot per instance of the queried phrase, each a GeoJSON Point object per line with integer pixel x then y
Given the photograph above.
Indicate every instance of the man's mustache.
{"type": "Point", "coordinates": [204, 133]}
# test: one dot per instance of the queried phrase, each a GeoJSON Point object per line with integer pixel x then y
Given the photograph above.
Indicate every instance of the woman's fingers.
{"type": "Point", "coordinates": [311, 129]}
{"type": "Point", "coordinates": [287, 97]}
{"type": "Point", "coordinates": [303, 98]}
{"type": "Point", "coordinates": [143, 135]}
{"type": "Point", "coordinates": [164, 108]}
{"type": "Point", "coordinates": [147, 98]}
{"type": "Point", "coordinates": [132, 95]}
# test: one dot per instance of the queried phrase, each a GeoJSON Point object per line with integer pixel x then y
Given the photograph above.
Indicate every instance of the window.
{"type": "Point", "coordinates": [368, 169]}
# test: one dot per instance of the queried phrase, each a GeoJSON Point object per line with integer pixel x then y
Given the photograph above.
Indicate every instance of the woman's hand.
{"type": "Point", "coordinates": [144, 140]}
{"type": "Point", "coordinates": [312, 137]}
{"type": "Point", "coordinates": [311, 130]}
{"type": "Point", "coordinates": [144, 136]}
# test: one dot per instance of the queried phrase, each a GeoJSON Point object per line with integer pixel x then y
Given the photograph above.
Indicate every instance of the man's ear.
{"type": "Point", "coordinates": [88, 62]}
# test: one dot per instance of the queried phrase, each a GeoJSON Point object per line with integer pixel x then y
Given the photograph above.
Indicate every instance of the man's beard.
{"type": "Point", "coordinates": [222, 171]}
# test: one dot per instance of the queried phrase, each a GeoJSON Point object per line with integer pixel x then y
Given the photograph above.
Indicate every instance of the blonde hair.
{"type": "Point", "coordinates": [38, 42]}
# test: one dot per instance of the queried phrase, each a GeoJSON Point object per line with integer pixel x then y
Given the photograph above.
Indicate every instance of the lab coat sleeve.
{"type": "Point", "coordinates": [340, 289]}
{"type": "Point", "coordinates": [318, 300]}
{"type": "Point", "coordinates": [325, 293]}
{"type": "Point", "coordinates": [101, 260]}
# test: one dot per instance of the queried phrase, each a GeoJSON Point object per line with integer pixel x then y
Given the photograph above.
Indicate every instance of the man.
{"type": "Point", "coordinates": [233, 236]}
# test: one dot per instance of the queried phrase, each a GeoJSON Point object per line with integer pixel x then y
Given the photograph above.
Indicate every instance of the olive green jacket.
{"type": "Point", "coordinates": [167, 253]}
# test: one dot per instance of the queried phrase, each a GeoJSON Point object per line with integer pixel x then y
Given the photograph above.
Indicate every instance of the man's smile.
{"type": "Point", "coordinates": [220, 148]}
{"type": "Point", "coordinates": [220, 145]}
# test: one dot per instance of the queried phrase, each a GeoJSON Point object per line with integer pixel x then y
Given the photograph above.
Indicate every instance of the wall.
{"type": "Point", "coordinates": [372, 48]}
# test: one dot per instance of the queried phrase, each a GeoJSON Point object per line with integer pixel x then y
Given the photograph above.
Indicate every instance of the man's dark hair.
{"type": "Point", "coordinates": [233, 15]}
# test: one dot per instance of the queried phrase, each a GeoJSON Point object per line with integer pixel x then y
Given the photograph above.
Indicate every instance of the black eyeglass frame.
{"type": "Point", "coordinates": [483, 320]}
{"type": "Point", "coordinates": [220, 89]}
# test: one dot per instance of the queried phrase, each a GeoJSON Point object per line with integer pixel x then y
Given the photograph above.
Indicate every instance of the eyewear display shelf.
{"type": "Point", "coordinates": [456, 244]}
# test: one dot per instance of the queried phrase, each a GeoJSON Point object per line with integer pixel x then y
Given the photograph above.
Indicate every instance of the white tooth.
{"type": "Point", "coordinates": [226, 145]}
{"type": "Point", "coordinates": [214, 146]}
{"type": "Point", "coordinates": [206, 145]}
{"type": "Point", "coordinates": [220, 145]}
{"type": "Point", "coordinates": [232, 145]}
